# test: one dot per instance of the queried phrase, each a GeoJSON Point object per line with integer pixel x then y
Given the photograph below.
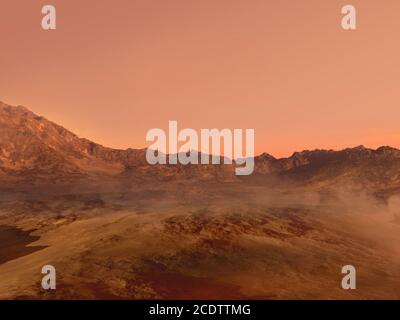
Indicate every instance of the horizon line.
{"type": "Point", "coordinates": [359, 146]}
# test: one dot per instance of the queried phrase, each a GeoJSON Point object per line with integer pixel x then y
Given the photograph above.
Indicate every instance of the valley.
{"type": "Point", "coordinates": [115, 227]}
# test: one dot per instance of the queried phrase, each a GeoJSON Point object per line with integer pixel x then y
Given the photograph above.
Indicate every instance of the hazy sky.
{"type": "Point", "coordinates": [114, 69]}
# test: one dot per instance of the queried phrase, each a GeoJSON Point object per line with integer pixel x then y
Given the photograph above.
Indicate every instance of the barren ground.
{"type": "Point", "coordinates": [252, 243]}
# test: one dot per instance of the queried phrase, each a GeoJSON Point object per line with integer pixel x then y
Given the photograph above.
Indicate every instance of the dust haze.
{"type": "Point", "coordinates": [205, 241]}
{"type": "Point", "coordinates": [115, 227]}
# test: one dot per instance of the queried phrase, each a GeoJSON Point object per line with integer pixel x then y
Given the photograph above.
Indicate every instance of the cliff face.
{"type": "Point", "coordinates": [33, 148]}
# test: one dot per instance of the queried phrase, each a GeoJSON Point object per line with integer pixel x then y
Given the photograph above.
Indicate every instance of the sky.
{"type": "Point", "coordinates": [114, 69]}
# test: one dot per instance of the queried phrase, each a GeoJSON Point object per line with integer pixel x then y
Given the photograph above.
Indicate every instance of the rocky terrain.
{"type": "Point", "coordinates": [117, 228]}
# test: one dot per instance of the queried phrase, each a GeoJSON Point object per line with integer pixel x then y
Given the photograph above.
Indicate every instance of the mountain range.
{"type": "Point", "coordinates": [34, 150]}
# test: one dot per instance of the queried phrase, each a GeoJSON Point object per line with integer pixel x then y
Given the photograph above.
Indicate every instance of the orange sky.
{"type": "Point", "coordinates": [114, 69]}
